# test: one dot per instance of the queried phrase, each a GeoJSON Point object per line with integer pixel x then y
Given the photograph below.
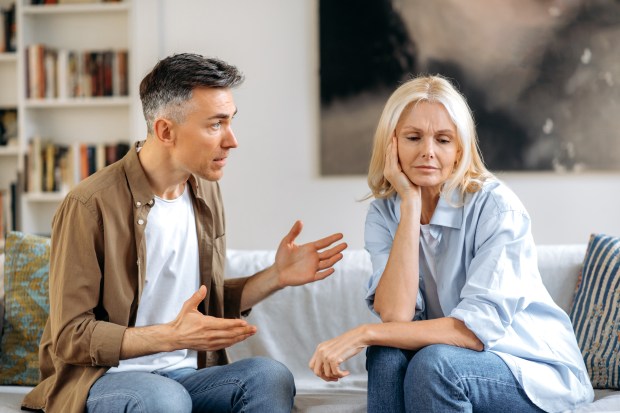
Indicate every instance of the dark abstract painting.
{"type": "Point", "coordinates": [541, 76]}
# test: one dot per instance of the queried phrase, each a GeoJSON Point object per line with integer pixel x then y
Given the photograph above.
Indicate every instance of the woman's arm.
{"type": "Point", "coordinates": [397, 291]}
{"type": "Point", "coordinates": [411, 335]}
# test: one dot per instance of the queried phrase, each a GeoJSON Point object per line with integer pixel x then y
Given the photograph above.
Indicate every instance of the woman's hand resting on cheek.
{"type": "Point", "coordinates": [393, 172]}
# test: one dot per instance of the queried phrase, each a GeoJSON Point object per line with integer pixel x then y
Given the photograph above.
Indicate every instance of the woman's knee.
{"type": "Point", "coordinates": [386, 358]}
{"type": "Point", "coordinates": [431, 362]}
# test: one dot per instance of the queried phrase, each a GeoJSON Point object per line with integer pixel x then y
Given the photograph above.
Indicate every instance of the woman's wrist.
{"type": "Point", "coordinates": [411, 207]}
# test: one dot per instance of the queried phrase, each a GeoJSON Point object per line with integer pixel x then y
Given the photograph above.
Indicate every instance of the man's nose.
{"type": "Point", "coordinates": [230, 141]}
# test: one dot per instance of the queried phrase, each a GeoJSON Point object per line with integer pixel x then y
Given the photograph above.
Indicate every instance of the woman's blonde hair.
{"type": "Point", "coordinates": [469, 173]}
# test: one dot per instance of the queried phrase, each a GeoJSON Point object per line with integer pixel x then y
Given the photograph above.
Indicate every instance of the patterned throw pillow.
{"type": "Point", "coordinates": [596, 311]}
{"type": "Point", "coordinates": [26, 271]}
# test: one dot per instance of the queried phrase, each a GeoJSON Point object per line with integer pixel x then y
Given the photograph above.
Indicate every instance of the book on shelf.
{"type": "Point", "coordinates": [61, 73]}
{"type": "Point", "coordinates": [53, 167]}
{"type": "Point", "coordinates": [8, 29]}
{"type": "Point", "coordinates": [7, 213]}
{"type": "Point", "coordinates": [10, 215]}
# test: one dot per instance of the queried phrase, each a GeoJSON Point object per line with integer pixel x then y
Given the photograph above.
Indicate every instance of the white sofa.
{"type": "Point", "coordinates": [293, 321]}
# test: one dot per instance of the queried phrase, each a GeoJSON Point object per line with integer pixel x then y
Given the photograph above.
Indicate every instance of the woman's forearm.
{"type": "Point", "coordinates": [414, 335]}
{"type": "Point", "coordinates": [397, 291]}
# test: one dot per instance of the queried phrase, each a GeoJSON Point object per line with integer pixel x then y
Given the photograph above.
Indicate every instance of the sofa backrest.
{"type": "Point", "coordinates": [294, 321]}
{"type": "Point", "coordinates": [560, 267]}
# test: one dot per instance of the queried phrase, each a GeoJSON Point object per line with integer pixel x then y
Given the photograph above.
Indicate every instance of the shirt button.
{"type": "Point", "coordinates": [140, 222]}
{"type": "Point", "coordinates": [138, 203]}
{"type": "Point", "coordinates": [151, 202]}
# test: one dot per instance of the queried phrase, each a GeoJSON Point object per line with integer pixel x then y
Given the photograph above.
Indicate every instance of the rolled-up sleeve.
{"type": "Point", "coordinates": [494, 293]}
{"type": "Point", "coordinates": [379, 237]}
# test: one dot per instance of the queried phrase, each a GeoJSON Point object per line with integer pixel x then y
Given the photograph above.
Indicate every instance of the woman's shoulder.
{"type": "Point", "coordinates": [384, 208]}
{"type": "Point", "coordinates": [498, 196]}
{"type": "Point", "coordinates": [384, 203]}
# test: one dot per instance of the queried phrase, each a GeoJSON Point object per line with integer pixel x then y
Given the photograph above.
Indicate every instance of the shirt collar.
{"type": "Point", "coordinates": [138, 183]}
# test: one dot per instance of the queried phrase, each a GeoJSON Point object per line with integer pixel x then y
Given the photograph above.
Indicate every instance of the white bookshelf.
{"type": "Point", "coordinates": [95, 26]}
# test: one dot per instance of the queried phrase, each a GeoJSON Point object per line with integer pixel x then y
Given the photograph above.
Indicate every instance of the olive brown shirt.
{"type": "Point", "coordinates": [97, 272]}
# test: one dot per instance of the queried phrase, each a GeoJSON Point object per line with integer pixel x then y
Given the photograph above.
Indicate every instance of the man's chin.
{"type": "Point", "coordinates": [212, 176]}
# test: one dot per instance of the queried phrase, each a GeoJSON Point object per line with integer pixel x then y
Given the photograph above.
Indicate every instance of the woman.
{"type": "Point", "coordinates": [467, 323]}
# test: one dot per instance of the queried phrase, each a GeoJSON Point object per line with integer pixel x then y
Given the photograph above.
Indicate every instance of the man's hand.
{"type": "Point", "coordinates": [196, 331]}
{"type": "Point", "coordinates": [189, 330]}
{"type": "Point", "coordinates": [302, 264]}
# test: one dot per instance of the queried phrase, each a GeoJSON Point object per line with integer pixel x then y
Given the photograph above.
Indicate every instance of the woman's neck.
{"type": "Point", "coordinates": [430, 198]}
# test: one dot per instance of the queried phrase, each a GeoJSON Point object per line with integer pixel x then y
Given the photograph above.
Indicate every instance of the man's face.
{"type": "Point", "coordinates": [204, 138]}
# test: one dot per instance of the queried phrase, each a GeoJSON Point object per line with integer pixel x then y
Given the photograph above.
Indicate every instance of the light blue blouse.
{"type": "Point", "coordinates": [479, 262]}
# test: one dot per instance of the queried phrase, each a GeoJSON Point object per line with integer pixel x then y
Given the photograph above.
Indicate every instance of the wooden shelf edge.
{"type": "Point", "coordinates": [110, 7]}
{"type": "Point", "coordinates": [78, 102]}
{"type": "Point", "coordinates": [9, 150]}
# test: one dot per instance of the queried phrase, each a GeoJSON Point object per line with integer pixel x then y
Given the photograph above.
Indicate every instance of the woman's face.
{"type": "Point", "coordinates": [428, 148]}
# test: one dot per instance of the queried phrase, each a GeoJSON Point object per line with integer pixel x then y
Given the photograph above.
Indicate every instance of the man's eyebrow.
{"type": "Point", "coordinates": [223, 115]}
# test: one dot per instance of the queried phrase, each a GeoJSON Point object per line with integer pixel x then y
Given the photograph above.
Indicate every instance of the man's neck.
{"type": "Point", "coordinates": [164, 180]}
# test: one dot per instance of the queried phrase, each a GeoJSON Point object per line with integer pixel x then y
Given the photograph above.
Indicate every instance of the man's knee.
{"type": "Point", "coordinates": [271, 373]}
{"type": "Point", "coordinates": [160, 395]}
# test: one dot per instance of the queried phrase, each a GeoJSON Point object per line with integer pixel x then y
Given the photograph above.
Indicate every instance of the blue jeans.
{"type": "Point", "coordinates": [440, 379]}
{"type": "Point", "coordinates": [256, 384]}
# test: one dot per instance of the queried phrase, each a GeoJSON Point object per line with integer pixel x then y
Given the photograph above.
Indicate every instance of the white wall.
{"type": "Point", "coordinates": [272, 179]}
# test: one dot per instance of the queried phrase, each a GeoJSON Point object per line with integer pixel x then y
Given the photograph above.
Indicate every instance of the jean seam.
{"type": "Point", "coordinates": [462, 379]}
{"type": "Point", "coordinates": [137, 400]}
{"type": "Point", "coordinates": [236, 382]}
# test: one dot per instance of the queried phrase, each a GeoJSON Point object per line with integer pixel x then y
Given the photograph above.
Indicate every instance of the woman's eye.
{"type": "Point", "coordinates": [412, 138]}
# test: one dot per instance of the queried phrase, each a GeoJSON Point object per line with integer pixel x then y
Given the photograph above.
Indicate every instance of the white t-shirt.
{"type": "Point", "coordinates": [172, 276]}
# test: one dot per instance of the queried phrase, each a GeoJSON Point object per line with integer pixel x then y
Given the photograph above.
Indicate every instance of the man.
{"type": "Point", "coordinates": [130, 245]}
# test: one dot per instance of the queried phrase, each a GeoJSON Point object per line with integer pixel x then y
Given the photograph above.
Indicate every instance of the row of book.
{"type": "Point", "coordinates": [8, 29]}
{"type": "Point", "coordinates": [61, 73]}
{"type": "Point", "coordinates": [53, 167]}
{"type": "Point", "coordinates": [9, 211]}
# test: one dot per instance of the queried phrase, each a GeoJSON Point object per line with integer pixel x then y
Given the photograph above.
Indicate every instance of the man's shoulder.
{"type": "Point", "coordinates": [108, 183]}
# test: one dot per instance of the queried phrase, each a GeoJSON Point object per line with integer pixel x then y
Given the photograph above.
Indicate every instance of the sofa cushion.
{"type": "Point", "coordinates": [26, 307]}
{"type": "Point", "coordinates": [596, 311]}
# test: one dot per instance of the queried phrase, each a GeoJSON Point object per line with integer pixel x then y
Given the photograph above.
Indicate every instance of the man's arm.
{"type": "Point", "coordinates": [294, 265]}
{"type": "Point", "coordinates": [189, 330]}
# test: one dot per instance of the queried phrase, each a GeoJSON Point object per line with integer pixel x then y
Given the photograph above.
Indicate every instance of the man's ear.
{"type": "Point", "coordinates": [162, 129]}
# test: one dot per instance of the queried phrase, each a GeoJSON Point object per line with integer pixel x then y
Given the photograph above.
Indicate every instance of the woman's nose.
{"type": "Point", "coordinates": [428, 150]}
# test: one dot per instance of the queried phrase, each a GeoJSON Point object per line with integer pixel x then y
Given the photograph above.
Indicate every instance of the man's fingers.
{"type": "Point", "coordinates": [327, 241]}
{"type": "Point", "coordinates": [194, 301]}
{"type": "Point", "coordinates": [320, 275]}
{"type": "Point", "coordinates": [294, 232]}
{"type": "Point", "coordinates": [336, 250]}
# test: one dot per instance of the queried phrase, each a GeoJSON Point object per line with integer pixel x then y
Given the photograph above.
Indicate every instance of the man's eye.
{"type": "Point", "coordinates": [217, 126]}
